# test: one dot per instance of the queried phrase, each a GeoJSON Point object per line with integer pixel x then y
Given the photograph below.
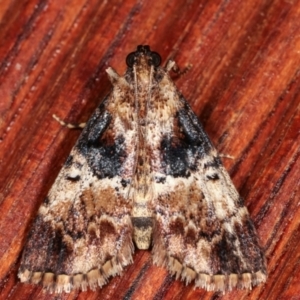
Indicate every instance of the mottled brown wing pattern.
{"type": "Point", "coordinates": [202, 230]}
{"type": "Point", "coordinates": [143, 169]}
{"type": "Point", "coordinates": [83, 231]}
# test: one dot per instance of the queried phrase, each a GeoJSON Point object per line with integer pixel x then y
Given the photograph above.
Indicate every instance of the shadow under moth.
{"type": "Point", "coordinates": [143, 172]}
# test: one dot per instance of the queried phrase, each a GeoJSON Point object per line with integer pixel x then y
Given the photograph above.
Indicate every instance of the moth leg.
{"type": "Point", "coordinates": [171, 65]}
{"type": "Point", "coordinates": [69, 125]}
{"type": "Point", "coordinates": [226, 156]}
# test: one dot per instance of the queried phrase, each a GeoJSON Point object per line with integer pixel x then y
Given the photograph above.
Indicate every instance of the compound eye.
{"type": "Point", "coordinates": [130, 59]}
{"type": "Point", "coordinates": [155, 59]}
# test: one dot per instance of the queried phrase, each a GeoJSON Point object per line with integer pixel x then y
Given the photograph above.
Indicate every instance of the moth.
{"type": "Point", "coordinates": [143, 172]}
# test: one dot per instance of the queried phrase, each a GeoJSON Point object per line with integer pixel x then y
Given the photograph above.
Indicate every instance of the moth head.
{"type": "Point", "coordinates": [143, 55]}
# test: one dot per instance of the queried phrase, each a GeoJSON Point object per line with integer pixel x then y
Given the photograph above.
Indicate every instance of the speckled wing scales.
{"type": "Point", "coordinates": [202, 230]}
{"type": "Point", "coordinates": [143, 171]}
{"type": "Point", "coordinates": [83, 232]}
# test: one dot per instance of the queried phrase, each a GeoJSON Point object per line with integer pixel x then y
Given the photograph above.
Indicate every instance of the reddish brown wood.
{"type": "Point", "coordinates": [244, 85]}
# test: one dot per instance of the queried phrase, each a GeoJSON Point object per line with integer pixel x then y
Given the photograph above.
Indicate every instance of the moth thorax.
{"type": "Point", "coordinates": [143, 74]}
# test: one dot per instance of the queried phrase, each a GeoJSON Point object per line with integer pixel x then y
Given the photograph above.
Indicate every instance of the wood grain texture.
{"type": "Point", "coordinates": [244, 85]}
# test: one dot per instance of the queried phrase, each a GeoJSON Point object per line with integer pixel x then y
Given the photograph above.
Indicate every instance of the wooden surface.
{"type": "Point", "coordinates": [244, 85]}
